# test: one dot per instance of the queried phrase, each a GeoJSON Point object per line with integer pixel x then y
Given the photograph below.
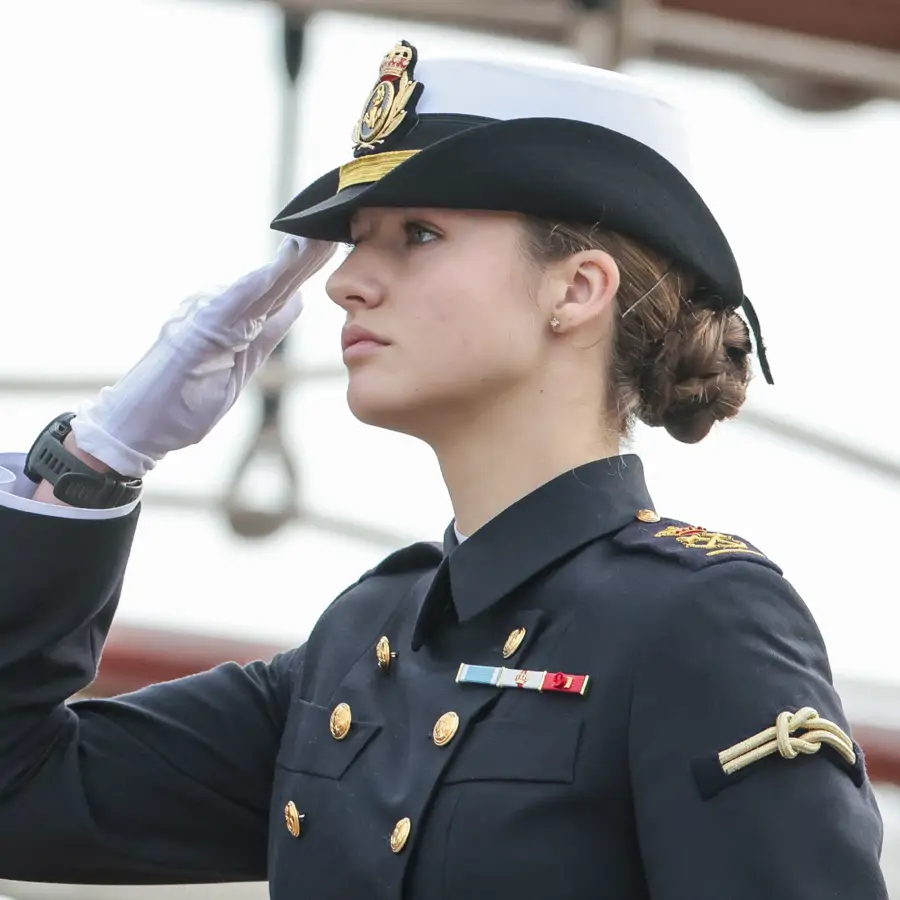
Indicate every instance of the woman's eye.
{"type": "Point", "coordinates": [416, 233]}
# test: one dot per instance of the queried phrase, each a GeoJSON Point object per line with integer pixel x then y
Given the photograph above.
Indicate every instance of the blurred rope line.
{"type": "Point", "coordinates": [339, 525]}
{"type": "Point", "coordinates": [268, 446]}
{"type": "Point", "coordinates": [274, 375]}
{"type": "Point", "coordinates": [278, 375]}
{"type": "Point", "coordinates": [290, 376]}
{"type": "Point", "coordinates": [810, 439]}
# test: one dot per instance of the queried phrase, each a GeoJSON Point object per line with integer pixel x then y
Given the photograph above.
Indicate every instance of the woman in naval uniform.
{"type": "Point", "coordinates": [572, 697]}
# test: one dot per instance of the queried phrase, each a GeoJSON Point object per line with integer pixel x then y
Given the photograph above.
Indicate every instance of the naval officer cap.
{"type": "Point", "coordinates": [559, 141]}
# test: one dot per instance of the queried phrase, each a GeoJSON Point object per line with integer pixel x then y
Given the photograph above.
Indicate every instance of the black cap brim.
{"type": "Point", "coordinates": [558, 169]}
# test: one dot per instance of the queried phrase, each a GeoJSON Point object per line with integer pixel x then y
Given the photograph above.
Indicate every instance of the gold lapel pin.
{"type": "Point", "coordinates": [513, 642]}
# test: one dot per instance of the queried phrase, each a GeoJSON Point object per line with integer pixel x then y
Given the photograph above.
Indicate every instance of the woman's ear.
{"type": "Point", "coordinates": [589, 281]}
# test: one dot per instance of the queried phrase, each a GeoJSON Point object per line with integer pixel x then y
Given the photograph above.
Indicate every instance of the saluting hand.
{"type": "Point", "coordinates": [201, 361]}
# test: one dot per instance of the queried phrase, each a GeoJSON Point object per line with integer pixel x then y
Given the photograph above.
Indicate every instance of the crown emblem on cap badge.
{"type": "Point", "coordinates": [390, 100]}
{"type": "Point", "coordinates": [397, 61]}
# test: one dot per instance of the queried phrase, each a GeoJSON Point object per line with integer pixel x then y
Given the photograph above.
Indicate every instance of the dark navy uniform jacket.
{"type": "Point", "coordinates": [334, 777]}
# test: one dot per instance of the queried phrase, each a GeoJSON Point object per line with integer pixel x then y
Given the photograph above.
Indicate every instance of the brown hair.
{"type": "Point", "coordinates": [676, 361]}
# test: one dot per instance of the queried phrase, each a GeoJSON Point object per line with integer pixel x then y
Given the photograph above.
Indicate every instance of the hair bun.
{"type": "Point", "coordinates": [698, 374]}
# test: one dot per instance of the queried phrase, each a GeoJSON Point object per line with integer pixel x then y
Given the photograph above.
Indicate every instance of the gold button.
{"type": "Point", "coordinates": [292, 819]}
{"type": "Point", "coordinates": [400, 835]}
{"type": "Point", "coordinates": [513, 642]}
{"type": "Point", "coordinates": [445, 728]}
{"type": "Point", "coordinates": [341, 717]}
{"type": "Point", "coordinates": [384, 653]}
{"type": "Point", "coordinates": [648, 515]}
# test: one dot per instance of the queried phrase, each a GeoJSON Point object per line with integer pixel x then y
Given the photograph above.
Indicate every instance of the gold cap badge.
{"type": "Point", "coordinates": [391, 99]}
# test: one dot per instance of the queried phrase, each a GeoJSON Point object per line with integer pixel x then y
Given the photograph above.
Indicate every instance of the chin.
{"type": "Point", "coordinates": [421, 408]}
{"type": "Point", "coordinates": [381, 407]}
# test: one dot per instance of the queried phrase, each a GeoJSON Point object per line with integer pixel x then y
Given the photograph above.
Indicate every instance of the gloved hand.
{"type": "Point", "coordinates": [198, 366]}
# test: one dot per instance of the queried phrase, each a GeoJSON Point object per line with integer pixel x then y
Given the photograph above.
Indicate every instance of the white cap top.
{"type": "Point", "coordinates": [519, 90]}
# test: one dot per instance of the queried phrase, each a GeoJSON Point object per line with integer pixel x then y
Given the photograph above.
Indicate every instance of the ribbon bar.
{"type": "Point", "coordinates": [500, 676]}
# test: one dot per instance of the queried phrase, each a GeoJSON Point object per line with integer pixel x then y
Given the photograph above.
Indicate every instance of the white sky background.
{"type": "Point", "coordinates": [138, 165]}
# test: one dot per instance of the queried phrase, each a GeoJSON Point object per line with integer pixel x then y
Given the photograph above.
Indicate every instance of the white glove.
{"type": "Point", "coordinates": [201, 361]}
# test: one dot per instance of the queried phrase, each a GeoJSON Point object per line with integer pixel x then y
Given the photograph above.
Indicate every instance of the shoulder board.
{"type": "Point", "coordinates": [415, 557]}
{"type": "Point", "coordinates": [690, 545]}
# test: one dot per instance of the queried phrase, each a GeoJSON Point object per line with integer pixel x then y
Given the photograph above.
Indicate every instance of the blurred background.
{"type": "Point", "coordinates": [149, 143]}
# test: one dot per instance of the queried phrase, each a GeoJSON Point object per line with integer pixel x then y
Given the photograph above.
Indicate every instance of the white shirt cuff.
{"type": "Point", "coordinates": [16, 491]}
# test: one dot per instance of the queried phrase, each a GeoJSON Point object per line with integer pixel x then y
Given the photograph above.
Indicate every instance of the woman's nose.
{"type": "Point", "coordinates": [354, 284]}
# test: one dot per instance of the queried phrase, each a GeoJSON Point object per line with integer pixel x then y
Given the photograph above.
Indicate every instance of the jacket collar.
{"type": "Point", "coordinates": [573, 509]}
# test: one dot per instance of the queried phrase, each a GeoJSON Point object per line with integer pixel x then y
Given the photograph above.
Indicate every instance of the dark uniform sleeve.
{"type": "Point", "coordinates": [737, 648]}
{"type": "Point", "coordinates": [169, 784]}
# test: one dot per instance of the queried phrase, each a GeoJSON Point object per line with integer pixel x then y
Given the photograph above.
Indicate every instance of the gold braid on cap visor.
{"type": "Point", "coordinates": [369, 169]}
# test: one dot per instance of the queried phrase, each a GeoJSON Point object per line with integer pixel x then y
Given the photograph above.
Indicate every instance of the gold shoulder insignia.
{"type": "Point", "coordinates": [713, 543]}
{"type": "Point", "coordinates": [691, 545]}
{"type": "Point", "coordinates": [392, 98]}
{"type": "Point", "coordinates": [793, 734]}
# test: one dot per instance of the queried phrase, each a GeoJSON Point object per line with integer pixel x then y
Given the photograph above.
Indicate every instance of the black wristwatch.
{"type": "Point", "coordinates": [75, 482]}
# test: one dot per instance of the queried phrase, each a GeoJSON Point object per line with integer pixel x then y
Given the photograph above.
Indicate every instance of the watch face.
{"type": "Point", "coordinates": [61, 428]}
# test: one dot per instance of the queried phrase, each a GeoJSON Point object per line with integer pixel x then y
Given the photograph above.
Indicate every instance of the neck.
{"type": "Point", "coordinates": [497, 456]}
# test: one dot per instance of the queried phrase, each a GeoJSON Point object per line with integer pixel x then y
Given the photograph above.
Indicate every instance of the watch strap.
{"type": "Point", "coordinates": [74, 481]}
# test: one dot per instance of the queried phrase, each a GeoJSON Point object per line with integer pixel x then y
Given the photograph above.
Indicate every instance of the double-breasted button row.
{"type": "Point", "coordinates": [342, 718]}
{"type": "Point", "coordinates": [385, 656]}
{"type": "Point", "coordinates": [399, 836]}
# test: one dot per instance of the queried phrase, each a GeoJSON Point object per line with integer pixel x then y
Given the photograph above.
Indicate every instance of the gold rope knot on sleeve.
{"type": "Point", "coordinates": [781, 739]}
